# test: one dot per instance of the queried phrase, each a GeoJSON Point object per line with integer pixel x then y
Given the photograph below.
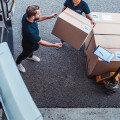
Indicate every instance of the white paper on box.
{"type": "Point", "coordinates": [86, 28]}
{"type": "Point", "coordinates": [107, 17]}
{"type": "Point", "coordinates": [95, 16]}
{"type": "Point", "coordinates": [117, 55]}
{"type": "Point", "coordinates": [103, 54]}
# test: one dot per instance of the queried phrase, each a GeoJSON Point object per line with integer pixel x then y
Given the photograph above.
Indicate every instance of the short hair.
{"type": "Point", "coordinates": [31, 10]}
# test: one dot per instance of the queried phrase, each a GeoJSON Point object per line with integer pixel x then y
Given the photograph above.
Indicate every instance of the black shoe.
{"type": "Point", "coordinates": [111, 86]}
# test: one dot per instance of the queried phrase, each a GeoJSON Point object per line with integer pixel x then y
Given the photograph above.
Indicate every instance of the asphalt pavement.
{"type": "Point", "coordinates": [60, 79]}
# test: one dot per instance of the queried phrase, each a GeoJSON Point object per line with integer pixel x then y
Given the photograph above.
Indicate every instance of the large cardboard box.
{"type": "Point", "coordinates": [73, 28]}
{"type": "Point", "coordinates": [104, 29]}
{"type": "Point", "coordinates": [96, 66]}
{"type": "Point", "coordinates": [107, 24]}
{"type": "Point", "coordinates": [101, 17]}
{"type": "Point", "coordinates": [106, 41]}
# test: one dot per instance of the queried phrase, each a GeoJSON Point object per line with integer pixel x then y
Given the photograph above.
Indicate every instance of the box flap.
{"type": "Point", "coordinates": [78, 24]}
{"type": "Point", "coordinates": [78, 17]}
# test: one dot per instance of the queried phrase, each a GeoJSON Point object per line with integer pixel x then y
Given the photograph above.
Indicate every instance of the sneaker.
{"type": "Point", "coordinates": [21, 68]}
{"type": "Point", "coordinates": [34, 58]}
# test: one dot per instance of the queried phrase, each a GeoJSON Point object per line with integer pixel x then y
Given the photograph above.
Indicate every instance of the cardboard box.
{"type": "Point", "coordinates": [87, 41]}
{"type": "Point", "coordinates": [105, 41]}
{"type": "Point", "coordinates": [101, 17]}
{"type": "Point", "coordinates": [106, 29]}
{"type": "Point", "coordinates": [107, 24]}
{"type": "Point", "coordinates": [96, 66]}
{"type": "Point", "coordinates": [73, 28]}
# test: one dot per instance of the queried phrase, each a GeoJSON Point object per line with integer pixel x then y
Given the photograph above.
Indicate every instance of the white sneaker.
{"type": "Point", "coordinates": [34, 58]}
{"type": "Point", "coordinates": [21, 68]}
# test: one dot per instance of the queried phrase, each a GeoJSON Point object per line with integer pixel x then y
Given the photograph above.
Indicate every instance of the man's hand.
{"type": "Point", "coordinates": [58, 45]}
{"type": "Point", "coordinates": [93, 23]}
{"type": "Point", "coordinates": [91, 19]}
{"type": "Point", "coordinates": [64, 8]}
{"type": "Point", "coordinates": [53, 16]}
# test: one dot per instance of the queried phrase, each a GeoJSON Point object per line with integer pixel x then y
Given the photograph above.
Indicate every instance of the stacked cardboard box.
{"type": "Point", "coordinates": [107, 35]}
{"type": "Point", "coordinates": [106, 41]}
{"type": "Point", "coordinates": [95, 65]}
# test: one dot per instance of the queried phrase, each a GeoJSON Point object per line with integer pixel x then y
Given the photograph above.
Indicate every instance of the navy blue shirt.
{"type": "Point", "coordinates": [82, 7]}
{"type": "Point", "coordinates": [30, 34]}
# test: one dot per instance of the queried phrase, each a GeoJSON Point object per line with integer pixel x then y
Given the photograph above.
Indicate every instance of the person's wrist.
{"type": "Point", "coordinates": [54, 45]}
{"type": "Point", "coordinates": [48, 17]}
{"type": "Point", "coordinates": [93, 20]}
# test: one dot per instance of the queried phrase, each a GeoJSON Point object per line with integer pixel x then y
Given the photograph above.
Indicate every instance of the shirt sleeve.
{"type": "Point", "coordinates": [35, 37]}
{"type": "Point", "coordinates": [86, 9]}
{"type": "Point", "coordinates": [66, 3]}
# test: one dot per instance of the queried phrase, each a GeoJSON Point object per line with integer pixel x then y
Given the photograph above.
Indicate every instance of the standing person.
{"type": "Point", "coordinates": [30, 35]}
{"type": "Point", "coordinates": [79, 6]}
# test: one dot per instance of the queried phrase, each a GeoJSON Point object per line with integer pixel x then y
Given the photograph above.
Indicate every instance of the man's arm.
{"type": "Point", "coordinates": [91, 19]}
{"type": "Point", "coordinates": [48, 44]}
{"type": "Point", "coordinates": [65, 5]}
{"type": "Point", "coordinates": [41, 18]}
{"type": "Point", "coordinates": [64, 8]}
